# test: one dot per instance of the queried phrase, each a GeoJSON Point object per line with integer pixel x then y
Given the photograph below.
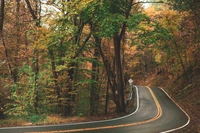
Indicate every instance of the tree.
{"type": "Point", "coordinates": [35, 59]}
{"type": "Point", "coordinates": [2, 4]}
{"type": "Point", "coordinates": [191, 8]}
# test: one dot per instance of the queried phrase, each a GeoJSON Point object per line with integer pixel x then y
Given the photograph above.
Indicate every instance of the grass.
{"type": "Point", "coordinates": [56, 119]}
{"type": "Point", "coordinates": [12, 122]}
{"type": "Point", "coordinates": [53, 119]}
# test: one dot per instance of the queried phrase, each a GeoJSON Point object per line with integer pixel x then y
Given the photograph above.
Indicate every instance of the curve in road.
{"type": "Point", "coordinates": [156, 112]}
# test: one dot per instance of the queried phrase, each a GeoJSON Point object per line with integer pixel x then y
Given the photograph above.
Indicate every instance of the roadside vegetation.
{"type": "Point", "coordinates": [69, 61]}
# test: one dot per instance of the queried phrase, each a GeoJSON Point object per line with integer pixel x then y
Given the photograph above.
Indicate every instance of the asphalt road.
{"type": "Point", "coordinates": [155, 113]}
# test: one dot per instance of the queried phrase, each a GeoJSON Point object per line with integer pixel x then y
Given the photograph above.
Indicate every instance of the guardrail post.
{"type": "Point", "coordinates": [131, 84]}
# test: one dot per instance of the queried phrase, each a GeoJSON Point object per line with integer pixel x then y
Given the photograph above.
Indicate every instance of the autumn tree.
{"type": "Point", "coordinates": [190, 13]}
{"type": "Point", "coordinates": [2, 14]}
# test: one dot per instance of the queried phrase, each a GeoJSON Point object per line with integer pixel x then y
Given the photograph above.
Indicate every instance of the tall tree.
{"type": "Point", "coordinates": [36, 17]}
{"type": "Point", "coordinates": [94, 93]}
{"type": "Point", "coordinates": [121, 10]}
{"type": "Point", "coordinates": [2, 4]}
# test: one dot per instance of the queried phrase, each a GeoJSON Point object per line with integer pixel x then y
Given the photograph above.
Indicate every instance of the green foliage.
{"type": "Point", "coordinates": [115, 6]}
{"type": "Point", "coordinates": [36, 118]}
{"type": "Point", "coordinates": [23, 94]}
{"type": "Point", "coordinates": [182, 4]}
{"type": "Point", "coordinates": [156, 36]}
{"type": "Point", "coordinates": [136, 20]}
{"type": "Point", "coordinates": [150, 34]}
{"type": "Point", "coordinates": [111, 25]}
{"type": "Point", "coordinates": [83, 102]}
{"type": "Point", "coordinates": [90, 12]}
{"type": "Point", "coordinates": [19, 103]}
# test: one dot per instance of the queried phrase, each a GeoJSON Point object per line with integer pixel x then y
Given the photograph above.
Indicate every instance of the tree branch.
{"type": "Point", "coordinates": [2, 4]}
{"type": "Point", "coordinates": [83, 45]}
{"type": "Point", "coordinates": [31, 10]}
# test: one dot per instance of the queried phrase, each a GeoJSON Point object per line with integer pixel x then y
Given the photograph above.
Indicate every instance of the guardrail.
{"type": "Point", "coordinates": [130, 94]}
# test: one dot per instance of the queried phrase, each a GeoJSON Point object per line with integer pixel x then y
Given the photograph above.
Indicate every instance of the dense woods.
{"type": "Point", "coordinates": [75, 57]}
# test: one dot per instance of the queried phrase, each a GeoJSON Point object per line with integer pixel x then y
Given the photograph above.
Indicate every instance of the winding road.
{"type": "Point", "coordinates": [155, 112]}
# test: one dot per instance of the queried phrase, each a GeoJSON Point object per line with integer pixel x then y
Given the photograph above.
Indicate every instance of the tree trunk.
{"type": "Point", "coordinates": [17, 27]}
{"type": "Point", "coordinates": [94, 92]}
{"type": "Point", "coordinates": [68, 90]}
{"type": "Point", "coordinates": [2, 4]}
{"type": "Point", "coordinates": [107, 98]}
{"type": "Point", "coordinates": [120, 106]}
{"type": "Point", "coordinates": [55, 79]}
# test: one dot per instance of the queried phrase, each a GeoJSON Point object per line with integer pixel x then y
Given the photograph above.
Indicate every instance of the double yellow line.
{"type": "Point", "coordinates": [158, 115]}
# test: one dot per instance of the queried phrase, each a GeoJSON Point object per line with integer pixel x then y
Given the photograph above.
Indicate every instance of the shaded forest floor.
{"type": "Point", "coordinates": [185, 93]}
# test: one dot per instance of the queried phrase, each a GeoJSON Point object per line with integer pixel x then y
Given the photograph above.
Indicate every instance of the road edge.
{"type": "Point", "coordinates": [178, 128]}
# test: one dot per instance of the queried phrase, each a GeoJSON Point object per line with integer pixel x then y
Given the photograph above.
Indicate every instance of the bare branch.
{"type": "Point", "coordinates": [31, 10]}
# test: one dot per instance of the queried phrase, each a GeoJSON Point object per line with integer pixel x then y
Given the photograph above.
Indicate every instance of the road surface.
{"type": "Point", "coordinates": [155, 112]}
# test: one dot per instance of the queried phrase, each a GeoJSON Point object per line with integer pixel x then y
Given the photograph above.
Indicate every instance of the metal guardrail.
{"type": "Point", "coordinates": [130, 94]}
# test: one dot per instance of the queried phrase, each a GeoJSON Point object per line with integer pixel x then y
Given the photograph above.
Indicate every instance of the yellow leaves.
{"type": "Point", "coordinates": [41, 39]}
{"type": "Point", "coordinates": [170, 14]}
{"type": "Point", "coordinates": [171, 20]}
{"type": "Point", "coordinates": [86, 2]}
{"type": "Point", "coordinates": [146, 27]}
{"type": "Point", "coordinates": [158, 57]}
{"type": "Point", "coordinates": [152, 12]}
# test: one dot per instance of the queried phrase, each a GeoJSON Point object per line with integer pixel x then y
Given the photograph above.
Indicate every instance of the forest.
{"type": "Point", "coordinates": [75, 57]}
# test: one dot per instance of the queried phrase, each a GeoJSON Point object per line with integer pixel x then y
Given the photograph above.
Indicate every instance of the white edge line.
{"type": "Point", "coordinates": [81, 123]}
{"type": "Point", "coordinates": [181, 109]}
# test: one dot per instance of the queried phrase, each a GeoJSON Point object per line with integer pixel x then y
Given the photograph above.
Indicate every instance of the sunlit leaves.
{"type": "Point", "coordinates": [171, 20]}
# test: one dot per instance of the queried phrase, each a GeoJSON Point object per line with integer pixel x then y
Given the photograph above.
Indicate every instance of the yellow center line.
{"type": "Point", "coordinates": [158, 115]}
